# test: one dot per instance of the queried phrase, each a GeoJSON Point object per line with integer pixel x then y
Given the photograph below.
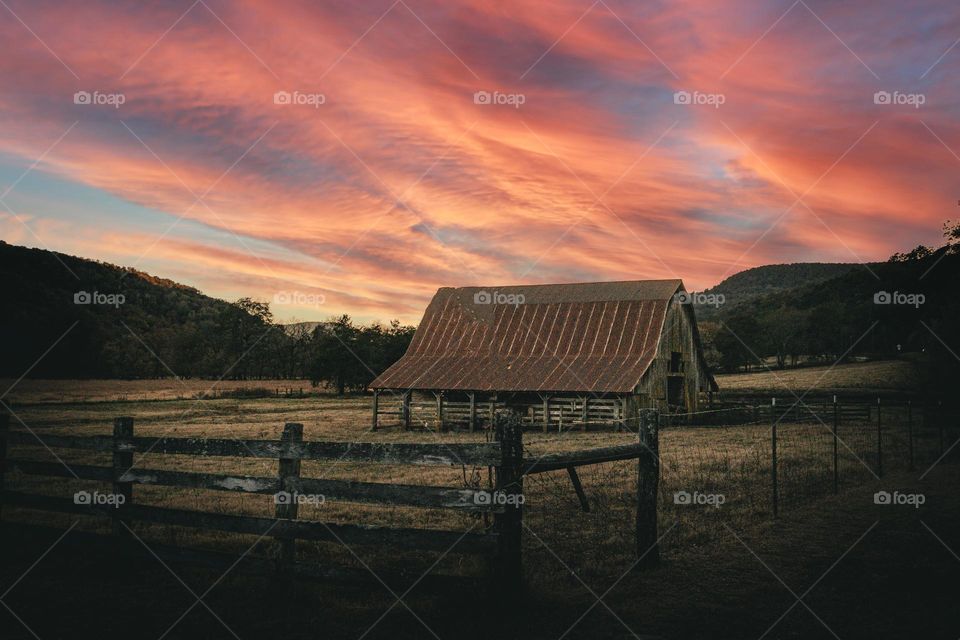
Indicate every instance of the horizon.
{"type": "Point", "coordinates": [360, 158]}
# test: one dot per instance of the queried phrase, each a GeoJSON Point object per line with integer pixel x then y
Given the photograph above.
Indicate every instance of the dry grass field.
{"type": "Point", "coordinates": [564, 548]}
{"type": "Point", "coordinates": [879, 377]}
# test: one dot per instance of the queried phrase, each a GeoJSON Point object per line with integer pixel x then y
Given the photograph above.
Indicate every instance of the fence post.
{"type": "Point", "coordinates": [585, 413]}
{"type": "Point", "coordinates": [376, 409]}
{"type": "Point", "coordinates": [879, 443]}
{"type": "Point", "coordinates": [773, 451]}
{"type": "Point", "coordinates": [910, 431]}
{"type": "Point", "coordinates": [286, 499]}
{"type": "Point", "coordinates": [4, 429]}
{"type": "Point", "coordinates": [405, 409]}
{"type": "Point", "coordinates": [648, 481]}
{"type": "Point", "coordinates": [836, 448]}
{"type": "Point", "coordinates": [122, 462]}
{"type": "Point", "coordinates": [508, 571]}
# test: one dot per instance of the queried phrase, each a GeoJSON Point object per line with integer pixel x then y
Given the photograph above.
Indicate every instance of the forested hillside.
{"type": "Point", "coordinates": [907, 304]}
{"type": "Point", "coordinates": [743, 288]}
{"type": "Point", "coordinates": [101, 320]}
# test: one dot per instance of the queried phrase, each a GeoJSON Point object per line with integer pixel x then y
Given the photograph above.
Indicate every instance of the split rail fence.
{"type": "Point", "coordinates": [500, 544]}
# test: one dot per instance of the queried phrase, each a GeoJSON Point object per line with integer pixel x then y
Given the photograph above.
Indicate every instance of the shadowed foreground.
{"type": "Point", "coordinates": [894, 577]}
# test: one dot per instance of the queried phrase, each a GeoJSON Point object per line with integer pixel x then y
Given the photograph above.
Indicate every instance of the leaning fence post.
{"type": "Point", "coordinates": [910, 431]}
{"type": "Point", "coordinates": [509, 487]}
{"type": "Point", "coordinates": [648, 481]}
{"type": "Point", "coordinates": [122, 462]}
{"type": "Point", "coordinates": [4, 429]}
{"type": "Point", "coordinates": [286, 498]}
{"type": "Point", "coordinates": [836, 448]}
{"type": "Point", "coordinates": [879, 443]}
{"type": "Point", "coordinates": [773, 451]}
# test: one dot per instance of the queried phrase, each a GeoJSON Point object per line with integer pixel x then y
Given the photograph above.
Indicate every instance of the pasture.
{"type": "Point", "coordinates": [570, 557]}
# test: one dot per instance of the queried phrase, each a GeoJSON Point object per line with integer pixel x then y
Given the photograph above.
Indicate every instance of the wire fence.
{"type": "Point", "coordinates": [776, 460]}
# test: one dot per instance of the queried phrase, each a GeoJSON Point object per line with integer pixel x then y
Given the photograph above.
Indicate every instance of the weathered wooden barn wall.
{"type": "Point", "coordinates": [678, 335]}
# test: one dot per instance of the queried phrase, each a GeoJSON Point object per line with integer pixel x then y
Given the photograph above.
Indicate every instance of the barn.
{"type": "Point", "coordinates": [565, 356]}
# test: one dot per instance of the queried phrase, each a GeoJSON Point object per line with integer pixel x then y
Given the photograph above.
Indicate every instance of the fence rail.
{"type": "Point", "coordinates": [285, 527]}
{"type": "Point", "coordinates": [499, 542]}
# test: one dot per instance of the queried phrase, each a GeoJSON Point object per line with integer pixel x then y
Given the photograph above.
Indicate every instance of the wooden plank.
{"type": "Point", "coordinates": [388, 453]}
{"type": "Point", "coordinates": [555, 461]}
{"type": "Point", "coordinates": [484, 454]}
{"type": "Point", "coordinates": [58, 470]}
{"type": "Point", "coordinates": [399, 494]}
{"type": "Point", "coordinates": [345, 490]}
{"type": "Point", "coordinates": [427, 539]}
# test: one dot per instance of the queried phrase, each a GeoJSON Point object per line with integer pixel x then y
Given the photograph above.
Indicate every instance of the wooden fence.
{"type": "Point", "coordinates": [499, 544]}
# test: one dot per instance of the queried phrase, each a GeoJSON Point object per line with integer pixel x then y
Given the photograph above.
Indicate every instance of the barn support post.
{"type": "Point", "coordinates": [910, 431]}
{"type": "Point", "coordinates": [836, 447]}
{"type": "Point", "coordinates": [122, 462]}
{"type": "Point", "coordinates": [376, 409]}
{"type": "Point", "coordinates": [473, 411]}
{"type": "Point", "coordinates": [583, 413]}
{"type": "Point", "coordinates": [773, 459]}
{"type": "Point", "coordinates": [439, 395]}
{"type": "Point", "coordinates": [508, 569]}
{"type": "Point", "coordinates": [288, 471]}
{"type": "Point", "coordinates": [648, 481]}
{"type": "Point", "coordinates": [4, 429]}
{"type": "Point", "coordinates": [546, 413]}
{"type": "Point", "coordinates": [405, 409]}
{"type": "Point", "coordinates": [879, 443]}
{"type": "Point", "coordinates": [624, 407]}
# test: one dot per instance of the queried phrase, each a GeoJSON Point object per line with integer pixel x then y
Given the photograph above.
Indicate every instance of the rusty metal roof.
{"type": "Point", "coordinates": [590, 337]}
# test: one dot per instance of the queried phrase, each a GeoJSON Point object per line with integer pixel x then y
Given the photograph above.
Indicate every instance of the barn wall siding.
{"type": "Point", "coordinates": [677, 335]}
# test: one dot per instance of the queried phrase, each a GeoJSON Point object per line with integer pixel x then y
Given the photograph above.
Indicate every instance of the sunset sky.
{"type": "Point", "coordinates": [403, 180]}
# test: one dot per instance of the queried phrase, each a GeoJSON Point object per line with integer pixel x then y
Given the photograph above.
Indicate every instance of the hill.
{"type": "Point", "coordinates": [741, 289]}
{"type": "Point", "coordinates": [102, 320]}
